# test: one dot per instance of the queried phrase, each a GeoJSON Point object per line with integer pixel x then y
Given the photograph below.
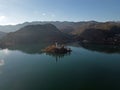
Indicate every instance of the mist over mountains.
{"type": "Point", "coordinates": [58, 24]}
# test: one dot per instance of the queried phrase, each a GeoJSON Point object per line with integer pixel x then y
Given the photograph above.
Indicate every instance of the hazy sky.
{"type": "Point", "coordinates": [18, 11]}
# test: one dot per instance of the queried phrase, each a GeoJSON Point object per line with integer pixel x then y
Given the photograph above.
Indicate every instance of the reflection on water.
{"type": "Point", "coordinates": [109, 49]}
{"type": "Point", "coordinates": [5, 51]}
{"type": "Point", "coordinates": [58, 56]}
{"type": "Point", "coordinates": [29, 49]}
{"type": "Point", "coordinates": [2, 62]}
{"type": "Point", "coordinates": [1, 65]}
{"type": "Point", "coordinates": [27, 68]}
{"type": "Point", "coordinates": [35, 49]}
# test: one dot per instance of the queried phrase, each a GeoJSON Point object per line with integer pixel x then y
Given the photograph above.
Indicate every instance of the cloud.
{"type": "Point", "coordinates": [2, 18]}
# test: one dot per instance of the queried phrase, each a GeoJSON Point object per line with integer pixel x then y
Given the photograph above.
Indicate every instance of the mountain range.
{"type": "Point", "coordinates": [49, 32]}
{"type": "Point", "coordinates": [35, 34]}
{"type": "Point", "coordinates": [58, 24]}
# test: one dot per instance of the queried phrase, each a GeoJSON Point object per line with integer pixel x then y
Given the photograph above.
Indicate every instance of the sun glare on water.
{"type": "Point", "coordinates": [5, 51]}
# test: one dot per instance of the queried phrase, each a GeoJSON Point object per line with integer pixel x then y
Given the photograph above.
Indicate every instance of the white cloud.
{"type": "Point", "coordinates": [2, 18]}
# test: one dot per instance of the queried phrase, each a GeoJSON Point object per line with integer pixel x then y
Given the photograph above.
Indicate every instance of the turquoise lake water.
{"type": "Point", "coordinates": [88, 68]}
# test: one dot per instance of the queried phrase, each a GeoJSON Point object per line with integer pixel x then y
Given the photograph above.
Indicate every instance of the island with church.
{"type": "Point", "coordinates": [57, 48]}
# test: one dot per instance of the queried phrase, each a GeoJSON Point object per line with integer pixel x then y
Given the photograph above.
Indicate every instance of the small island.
{"type": "Point", "coordinates": [58, 49]}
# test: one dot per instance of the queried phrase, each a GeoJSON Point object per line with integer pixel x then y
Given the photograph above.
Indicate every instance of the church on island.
{"type": "Point", "coordinates": [57, 48]}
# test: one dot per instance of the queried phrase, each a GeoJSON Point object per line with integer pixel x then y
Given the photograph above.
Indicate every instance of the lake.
{"type": "Point", "coordinates": [86, 68]}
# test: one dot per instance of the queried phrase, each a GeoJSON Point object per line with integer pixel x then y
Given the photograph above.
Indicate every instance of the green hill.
{"type": "Point", "coordinates": [35, 34]}
{"type": "Point", "coordinates": [100, 34]}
